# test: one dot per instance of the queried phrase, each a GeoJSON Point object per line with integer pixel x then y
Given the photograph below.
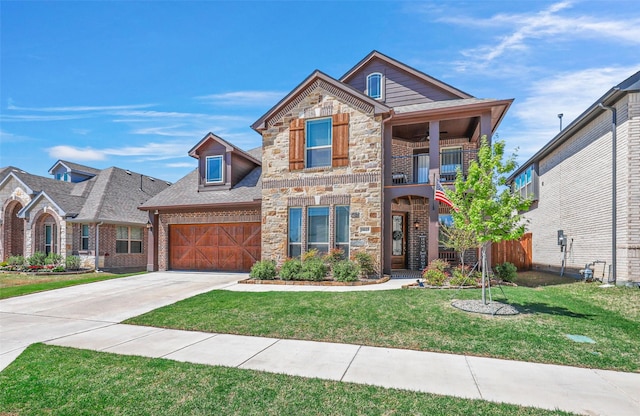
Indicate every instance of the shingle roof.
{"type": "Point", "coordinates": [185, 193]}
{"type": "Point", "coordinates": [112, 195]}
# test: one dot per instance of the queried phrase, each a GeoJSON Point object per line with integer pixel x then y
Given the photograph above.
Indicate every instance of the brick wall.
{"type": "Point", "coordinates": [575, 196]}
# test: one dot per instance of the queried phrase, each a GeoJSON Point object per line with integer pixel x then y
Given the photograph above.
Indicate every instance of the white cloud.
{"type": "Point", "coordinates": [181, 165]}
{"type": "Point", "coordinates": [87, 108]}
{"type": "Point", "coordinates": [567, 93]}
{"type": "Point", "coordinates": [75, 153]}
{"type": "Point", "coordinates": [244, 98]}
{"type": "Point", "coordinates": [6, 137]}
{"type": "Point", "coordinates": [33, 118]}
{"type": "Point", "coordinates": [149, 151]}
{"type": "Point", "coordinates": [549, 24]}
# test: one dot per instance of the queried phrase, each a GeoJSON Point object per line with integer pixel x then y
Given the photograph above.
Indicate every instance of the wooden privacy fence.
{"type": "Point", "coordinates": [517, 252]}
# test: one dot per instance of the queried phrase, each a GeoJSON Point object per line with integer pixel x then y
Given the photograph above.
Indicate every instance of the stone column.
{"type": "Point", "coordinates": [387, 152]}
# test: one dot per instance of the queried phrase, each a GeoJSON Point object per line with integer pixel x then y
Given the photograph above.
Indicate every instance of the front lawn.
{"type": "Point", "coordinates": [18, 284]}
{"type": "Point", "coordinates": [421, 319]}
{"type": "Point", "coordinates": [64, 381]}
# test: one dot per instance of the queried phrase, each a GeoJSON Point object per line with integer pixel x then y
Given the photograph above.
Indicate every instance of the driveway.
{"type": "Point", "coordinates": [45, 316]}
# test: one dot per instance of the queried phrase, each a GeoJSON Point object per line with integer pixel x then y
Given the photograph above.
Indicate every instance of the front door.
{"type": "Point", "coordinates": [399, 240]}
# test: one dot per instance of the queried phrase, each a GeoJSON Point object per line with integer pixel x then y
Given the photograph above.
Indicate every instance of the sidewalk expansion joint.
{"type": "Point", "coordinates": [258, 353]}
{"type": "Point", "coordinates": [350, 362]}
{"type": "Point", "coordinates": [190, 345]}
{"type": "Point", "coordinates": [475, 378]}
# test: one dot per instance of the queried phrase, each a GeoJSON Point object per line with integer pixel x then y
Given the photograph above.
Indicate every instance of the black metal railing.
{"type": "Point", "coordinates": [414, 169]}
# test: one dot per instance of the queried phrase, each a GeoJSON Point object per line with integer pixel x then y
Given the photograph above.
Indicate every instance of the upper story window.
{"type": "Point", "coordinates": [526, 183]}
{"type": "Point", "coordinates": [215, 169]}
{"type": "Point", "coordinates": [374, 85]}
{"type": "Point", "coordinates": [64, 176]}
{"type": "Point", "coordinates": [318, 141]}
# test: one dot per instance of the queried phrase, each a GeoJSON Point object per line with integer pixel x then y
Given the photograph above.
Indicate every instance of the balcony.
{"type": "Point", "coordinates": [414, 169]}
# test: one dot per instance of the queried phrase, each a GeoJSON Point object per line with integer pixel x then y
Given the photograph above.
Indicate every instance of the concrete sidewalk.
{"type": "Point", "coordinates": [580, 390]}
{"type": "Point", "coordinates": [88, 316]}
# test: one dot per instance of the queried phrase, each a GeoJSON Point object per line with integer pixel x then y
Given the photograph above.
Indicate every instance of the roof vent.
{"type": "Point", "coordinates": [128, 172]}
{"type": "Point", "coordinates": [152, 180]}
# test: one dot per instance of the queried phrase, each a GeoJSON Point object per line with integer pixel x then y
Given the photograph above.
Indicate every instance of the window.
{"type": "Point", "coordinates": [128, 240]}
{"type": "Point", "coordinates": [84, 239]}
{"type": "Point", "coordinates": [295, 232]}
{"type": "Point", "coordinates": [215, 168]}
{"type": "Point", "coordinates": [318, 140]}
{"type": "Point", "coordinates": [342, 229]}
{"type": "Point", "coordinates": [450, 162]}
{"type": "Point", "coordinates": [374, 85]}
{"type": "Point", "coordinates": [318, 229]}
{"type": "Point", "coordinates": [525, 183]}
{"type": "Point", "coordinates": [446, 220]}
{"type": "Point", "coordinates": [62, 176]}
{"type": "Point", "coordinates": [49, 237]}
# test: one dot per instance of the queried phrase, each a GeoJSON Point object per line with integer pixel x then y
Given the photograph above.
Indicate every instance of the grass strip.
{"type": "Point", "coordinates": [63, 381]}
{"type": "Point", "coordinates": [425, 320]}
{"type": "Point", "coordinates": [12, 285]}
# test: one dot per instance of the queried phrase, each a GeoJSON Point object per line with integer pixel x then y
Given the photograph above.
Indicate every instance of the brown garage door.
{"type": "Point", "coordinates": [216, 247]}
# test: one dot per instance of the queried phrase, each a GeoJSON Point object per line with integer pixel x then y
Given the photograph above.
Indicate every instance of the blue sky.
{"type": "Point", "coordinates": [137, 84]}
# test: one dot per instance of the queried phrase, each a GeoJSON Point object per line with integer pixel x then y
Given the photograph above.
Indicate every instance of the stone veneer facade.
{"type": "Point", "coordinates": [359, 184]}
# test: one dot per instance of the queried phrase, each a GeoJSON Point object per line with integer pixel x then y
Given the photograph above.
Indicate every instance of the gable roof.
{"type": "Point", "coordinates": [185, 194]}
{"type": "Point", "coordinates": [375, 55]}
{"type": "Point", "coordinates": [631, 84]}
{"type": "Point", "coordinates": [75, 167]}
{"type": "Point", "coordinates": [229, 147]}
{"type": "Point", "coordinates": [324, 81]}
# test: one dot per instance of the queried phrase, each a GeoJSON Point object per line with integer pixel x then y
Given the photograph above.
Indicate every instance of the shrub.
{"type": "Point", "coordinates": [507, 272]}
{"type": "Point", "coordinates": [37, 259]}
{"type": "Point", "coordinates": [365, 263]}
{"type": "Point", "coordinates": [264, 269]}
{"type": "Point", "coordinates": [434, 277]}
{"type": "Point", "coordinates": [15, 261]}
{"type": "Point", "coordinates": [291, 269]}
{"type": "Point", "coordinates": [58, 269]}
{"type": "Point", "coordinates": [53, 259]}
{"type": "Point", "coordinates": [72, 263]}
{"type": "Point", "coordinates": [334, 256]}
{"type": "Point", "coordinates": [311, 254]}
{"type": "Point", "coordinates": [313, 269]}
{"type": "Point", "coordinates": [346, 271]}
{"type": "Point", "coordinates": [439, 264]}
{"type": "Point", "coordinates": [461, 278]}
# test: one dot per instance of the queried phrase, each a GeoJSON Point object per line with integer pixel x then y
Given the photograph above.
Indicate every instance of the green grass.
{"type": "Point", "coordinates": [425, 320]}
{"type": "Point", "coordinates": [14, 284]}
{"type": "Point", "coordinates": [63, 381]}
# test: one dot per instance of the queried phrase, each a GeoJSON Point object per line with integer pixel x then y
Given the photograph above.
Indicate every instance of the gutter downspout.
{"type": "Point", "coordinates": [98, 245]}
{"type": "Point", "coordinates": [614, 128]}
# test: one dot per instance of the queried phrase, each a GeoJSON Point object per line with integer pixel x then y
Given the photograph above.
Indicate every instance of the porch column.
{"type": "Point", "coordinates": [434, 174]}
{"type": "Point", "coordinates": [387, 149]}
{"type": "Point", "coordinates": [152, 244]}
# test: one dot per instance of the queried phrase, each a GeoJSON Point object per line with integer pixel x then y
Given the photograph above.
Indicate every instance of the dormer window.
{"type": "Point", "coordinates": [63, 176]}
{"type": "Point", "coordinates": [374, 85]}
{"type": "Point", "coordinates": [215, 169]}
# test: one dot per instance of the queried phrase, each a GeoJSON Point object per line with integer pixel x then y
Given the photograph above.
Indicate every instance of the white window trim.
{"type": "Point", "coordinates": [329, 146]}
{"type": "Point", "coordinates": [371, 75]}
{"type": "Point", "coordinates": [129, 240]}
{"type": "Point", "coordinates": [222, 165]}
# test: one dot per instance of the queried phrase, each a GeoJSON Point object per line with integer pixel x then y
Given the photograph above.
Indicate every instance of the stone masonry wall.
{"type": "Point", "coordinates": [359, 184]}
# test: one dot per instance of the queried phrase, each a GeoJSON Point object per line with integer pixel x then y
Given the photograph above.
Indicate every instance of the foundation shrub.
{"type": "Point", "coordinates": [291, 269]}
{"type": "Point", "coordinates": [506, 272]}
{"type": "Point", "coordinates": [346, 271]}
{"type": "Point", "coordinates": [72, 263]}
{"type": "Point", "coordinates": [313, 269]}
{"type": "Point", "coordinates": [264, 270]}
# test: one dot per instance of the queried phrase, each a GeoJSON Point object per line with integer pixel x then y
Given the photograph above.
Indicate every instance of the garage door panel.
{"type": "Point", "coordinates": [214, 247]}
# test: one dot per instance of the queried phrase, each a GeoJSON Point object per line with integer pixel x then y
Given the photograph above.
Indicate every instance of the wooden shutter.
{"type": "Point", "coordinates": [340, 139]}
{"type": "Point", "coordinates": [296, 144]}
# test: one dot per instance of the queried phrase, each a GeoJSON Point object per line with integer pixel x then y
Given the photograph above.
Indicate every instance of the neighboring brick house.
{"type": "Point", "coordinates": [84, 211]}
{"type": "Point", "coordinates": [346, 164]}
{"type": "Point", "coordinates": [210, 219]}
{"type": "Point", "coordinates": [351, 163]}
{"type": "Point", "coordinates": [570, 180]}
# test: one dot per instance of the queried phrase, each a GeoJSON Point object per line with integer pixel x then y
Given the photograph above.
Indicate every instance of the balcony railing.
{"type": "Point", "coordinates": [414, 169]}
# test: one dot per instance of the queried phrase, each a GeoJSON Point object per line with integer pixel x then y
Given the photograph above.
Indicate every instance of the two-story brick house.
{"type": "Point", "coordinates": [345, 163]}
{"type": "Point", "coordinates": [570, 180]}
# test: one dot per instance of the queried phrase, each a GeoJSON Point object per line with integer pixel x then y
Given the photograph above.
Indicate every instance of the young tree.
{"type": "Point", "coordinates": [485, 206]}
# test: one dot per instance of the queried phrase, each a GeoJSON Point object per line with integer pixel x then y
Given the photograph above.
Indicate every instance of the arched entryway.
{"type": "Point", "coordinates": [46, 234]}
{"type": "Point", "coordinates": [13, 235]}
